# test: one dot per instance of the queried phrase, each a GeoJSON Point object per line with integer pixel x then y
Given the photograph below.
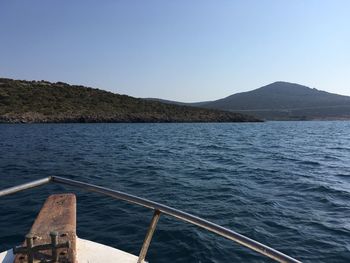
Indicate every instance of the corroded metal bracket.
{"type": "Point", "coordinates": [30, 250]}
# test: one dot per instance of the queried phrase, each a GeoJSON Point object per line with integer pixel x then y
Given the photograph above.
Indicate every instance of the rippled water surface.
{"type": "Point", "coordinates": [285, 184]}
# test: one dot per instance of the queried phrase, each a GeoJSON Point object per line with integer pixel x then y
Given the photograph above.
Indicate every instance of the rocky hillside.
{"type": "Point", "coordinates": [45, 102]}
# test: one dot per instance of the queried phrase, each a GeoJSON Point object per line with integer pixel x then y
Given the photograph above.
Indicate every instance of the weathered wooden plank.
{"type": "Point", "coordinates": [57, 214]}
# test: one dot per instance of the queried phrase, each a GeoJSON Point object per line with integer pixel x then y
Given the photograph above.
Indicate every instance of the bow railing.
{"type": "Point", "coordinates": [158, 210]}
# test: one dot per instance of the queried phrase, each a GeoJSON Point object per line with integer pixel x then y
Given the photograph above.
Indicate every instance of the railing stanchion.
{"type": "Point", "coordinates": [149, 236]}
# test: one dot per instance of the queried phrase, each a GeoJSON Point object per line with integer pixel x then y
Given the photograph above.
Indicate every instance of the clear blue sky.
{"type": "Point", "coordinates": [183, 50]}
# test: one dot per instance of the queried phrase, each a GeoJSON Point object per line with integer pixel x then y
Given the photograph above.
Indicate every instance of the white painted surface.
{"type": "Point", "coordinates": [7, 257]}
{"type": "Point", "coordinates": [92, 252]}
{"type": "Point", "coordinates": [88, 252]}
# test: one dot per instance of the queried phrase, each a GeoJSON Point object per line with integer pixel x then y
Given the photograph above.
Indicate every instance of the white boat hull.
{"type": "Point", "coordinates": [88, 252]}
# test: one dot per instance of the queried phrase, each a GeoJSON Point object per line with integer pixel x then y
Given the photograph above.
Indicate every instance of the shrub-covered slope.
{"type": "Point", "coordinates": [42, 101]}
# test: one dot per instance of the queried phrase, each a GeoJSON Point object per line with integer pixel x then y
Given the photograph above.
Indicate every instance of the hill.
{"type": "Point", "coordinates": [193, 104]}
{"type": "Point", "coordinates": [285, 101]}
{"type": "Point", "coordinates": [42, 101]}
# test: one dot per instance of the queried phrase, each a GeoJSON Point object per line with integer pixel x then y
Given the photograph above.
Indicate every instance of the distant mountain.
{"type": "Point", "coordinates": [285, 101]}
{"type": "Point", "coordinates": [194, 104]}
{"type": "Point", "coordinates": [42, 101]}
{"type": "Point", "coordinates": [167, 101]}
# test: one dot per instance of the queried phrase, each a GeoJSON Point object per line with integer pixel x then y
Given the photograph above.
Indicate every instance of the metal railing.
{"type": "Point", "coordinates": [158, 210]}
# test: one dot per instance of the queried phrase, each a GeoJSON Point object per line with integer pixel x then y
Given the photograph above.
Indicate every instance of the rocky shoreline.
{"type": "Point", "coordinates": [30, 117]}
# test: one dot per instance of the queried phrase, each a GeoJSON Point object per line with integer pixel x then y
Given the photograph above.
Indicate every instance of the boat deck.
{"type": "Point", "coordinates": [87, 252]}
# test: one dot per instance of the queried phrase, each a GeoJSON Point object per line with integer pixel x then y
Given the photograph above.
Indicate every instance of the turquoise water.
{"type": "Point", "coordinates": [285, 184]}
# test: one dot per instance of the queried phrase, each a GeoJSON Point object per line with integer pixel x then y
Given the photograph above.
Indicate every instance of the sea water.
{"type": "Point", "coordinates": [284, 184]}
